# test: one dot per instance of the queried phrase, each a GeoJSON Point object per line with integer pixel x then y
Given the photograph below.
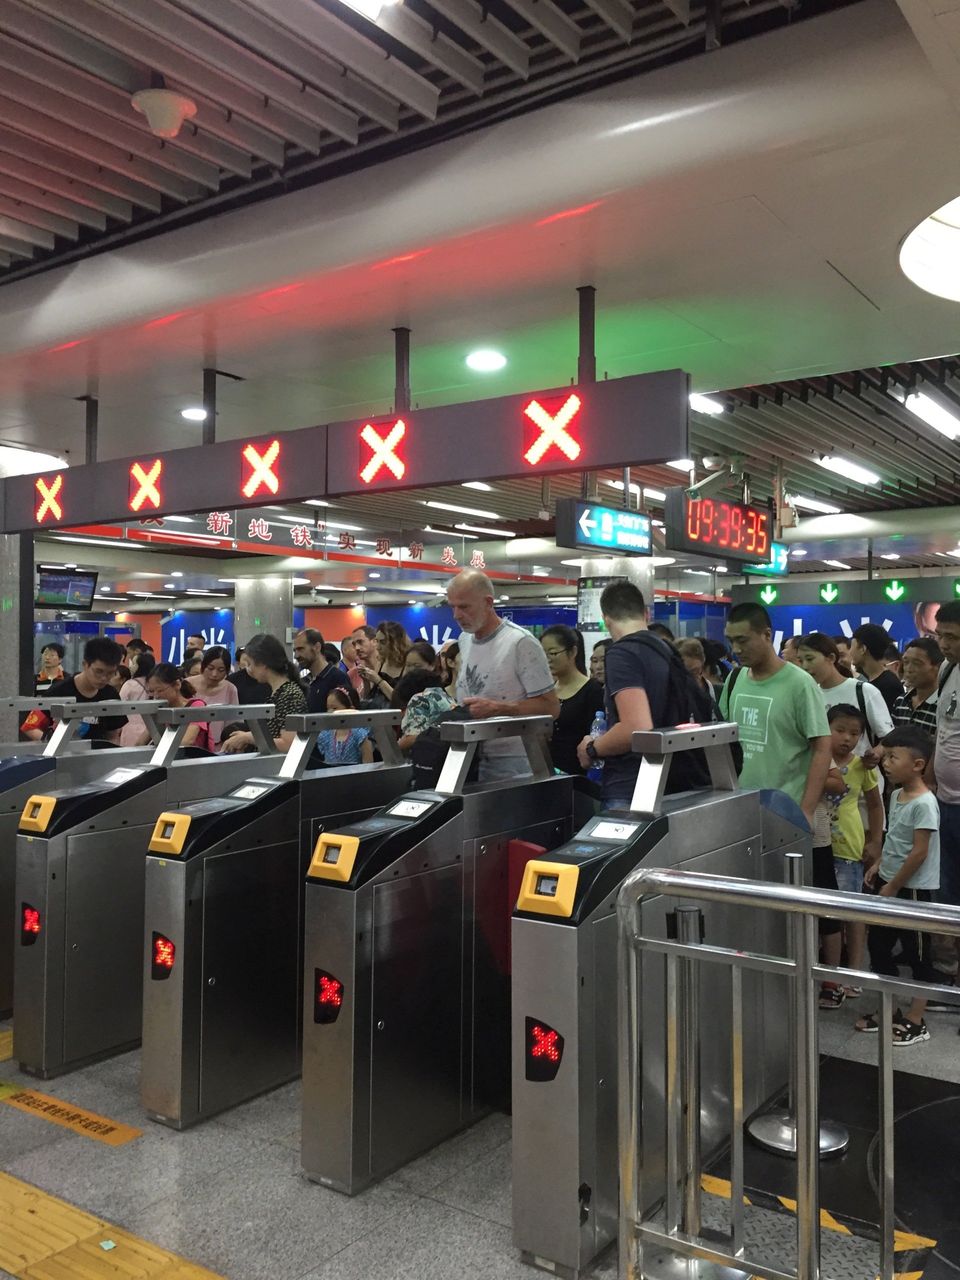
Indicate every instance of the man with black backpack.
{"type": "Point", "coordinates": [647, 686]}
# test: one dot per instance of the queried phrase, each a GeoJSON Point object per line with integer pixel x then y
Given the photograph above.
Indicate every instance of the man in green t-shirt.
{"type": "Point", "coordinates": [779, 708]}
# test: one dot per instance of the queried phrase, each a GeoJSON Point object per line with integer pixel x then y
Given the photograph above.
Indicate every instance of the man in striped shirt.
{"type": "Point", "coordinates": [921, 673]}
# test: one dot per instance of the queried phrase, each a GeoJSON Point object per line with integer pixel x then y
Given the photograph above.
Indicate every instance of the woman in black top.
{"type": "Point", "coordinates": [269, 664]}
{"type": "Point", "coordinates": [580, 697]}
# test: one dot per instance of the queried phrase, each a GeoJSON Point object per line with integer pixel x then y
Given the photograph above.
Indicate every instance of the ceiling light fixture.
{"type": "Point", "coordinates": [837, 564]}
{"type": "Point", "coordinates": [928, 410]}
{"type": "Point", "coordinates": [462, 511]}
{"type": "Point", "coordinates": [373, 575]}
{"type": "Point", "coordinates": [812, 504]}
{"type": "Point", "coordinates": [478, 484]}
{"type": "Point", "coordinates": [799, 551]}
{"type": "Point", "coordinates": [704, 404]}
{"type": "Point", "coordinates": [682, 464]}
{"type": "Point", "coordinates": [194, 413]}
{"type": "Point", "coordinates": [890, 555]}
{"type": "Point", "coordinates": [15, 461]}
{"type": "Point", "coordinates": [300, 582]}
{"type": "Point", "coordinates": [929, 255]}
{"type": "Point", "coordinates": [849, 470]}
{"type": "Point", "coordinates": [165, 110]}
{"type": "Point", "coordinates": [486, 360]}
{"type": "Point", "coordinates": [495, 533]}
{"type": "Point", "coordinates": [369, 8]}
{"type": "Point", "coordinates": [316, 502]}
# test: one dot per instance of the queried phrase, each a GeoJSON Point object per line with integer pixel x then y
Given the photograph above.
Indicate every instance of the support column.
{"type": "Point", "coordinates": [595, 575]}
{"type": "Point", "coordinates": [263, 605]}
{"type": "Point", "coordinates": [16, 623]}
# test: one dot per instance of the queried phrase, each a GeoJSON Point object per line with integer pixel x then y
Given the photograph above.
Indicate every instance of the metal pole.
{"type": "Point", "coordinates": [587, 363]}
{"type": "Point", "coordinates": [401, 349]}
{"type": "Point", "coordinates": [629, 1075]}
{"type": "Point", "coordinates": [885, 1068]}
{"type": "Point", "coordinates": [90, 426]}
{"type": "Point", "coordinates": [209, 431]}
{"type": "Point", "coordinates": [689, 930]}
{"type": "Point", "coordinates": [806, 1088]}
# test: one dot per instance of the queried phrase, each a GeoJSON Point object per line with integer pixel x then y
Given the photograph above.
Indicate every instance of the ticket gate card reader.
{"type": "Point", "coordinates": [406, 990]}
{"type": "Point", "coordinates": [564, 1019]}
{"type": "Point", "coordinates": [30, 767]}
{"type": "Point", "coordinates": [79, 893]}
{"type": "Point", "coordinates": [223, 923]}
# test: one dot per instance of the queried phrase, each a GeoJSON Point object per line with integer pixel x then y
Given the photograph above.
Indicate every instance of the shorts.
{"type": "Point", "coordinates": [849, 875]}
{"type": "Point", "coordinates": [825, 877]}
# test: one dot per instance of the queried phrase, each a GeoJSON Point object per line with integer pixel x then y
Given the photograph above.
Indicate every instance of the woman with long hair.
{"type": "Point", "coordinates": [213, 686]}
{"type": "Point", "coordinates": [135, 733]}
{"type": "Point", "coordinates": [580, 696]}
{"type": "Point", "coordinates": [448, 661]}
{"type": "Point", "coordinates": [820, 657]}
{"type": "Point", "coordinates": [392, 644]}
{"type": "Point", "coordinates": [166, 683]}
{"type": "Point", "coordinates": [269, 664]}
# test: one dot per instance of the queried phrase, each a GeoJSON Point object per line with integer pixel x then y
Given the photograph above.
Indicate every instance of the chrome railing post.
{"type": "Point", "coordinates": [806, 1095]}
{"type": "Point", "coordinates": [630, 1076]}
{"type": "Point", "coordinates": [690, 931]}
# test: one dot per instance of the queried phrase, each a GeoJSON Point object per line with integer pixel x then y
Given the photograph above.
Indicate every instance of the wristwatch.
{"type": "Point", "coordinates": [591, 750]}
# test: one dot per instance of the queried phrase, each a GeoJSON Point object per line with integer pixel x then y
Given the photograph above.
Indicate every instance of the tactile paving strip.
{"type": "Point", "coordinates": [43, 1238]}
{"type": "Point", "coordinates": [6, 1045]}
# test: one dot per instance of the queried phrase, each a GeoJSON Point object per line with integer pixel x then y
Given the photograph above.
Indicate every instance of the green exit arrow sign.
{"type": "Point", "coordinates": [894, 590]}
{"type": "Point", "coordinates": [956, 586]}
{"type": "Point", "coordinates": [829, 593]}
{"type": "Point", "coordinates": [769, 594]}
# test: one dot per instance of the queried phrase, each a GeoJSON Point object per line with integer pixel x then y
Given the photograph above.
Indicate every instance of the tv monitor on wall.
{"type": "Point", "coordinates": [65, 589]}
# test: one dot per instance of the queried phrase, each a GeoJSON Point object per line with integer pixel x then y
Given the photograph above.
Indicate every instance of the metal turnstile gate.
{"type": "Point", "coordinates": [406, 986]}
{"type": "Point", "coordinates": [564, 1034]}
{"type": "Point", "coordinates": [223, 923]}
{"type": "Point", "coordinates": [79, 892]}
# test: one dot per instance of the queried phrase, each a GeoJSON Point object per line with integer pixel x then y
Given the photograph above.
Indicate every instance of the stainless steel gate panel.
{"type": "Point", "coordinates": [39, 966]}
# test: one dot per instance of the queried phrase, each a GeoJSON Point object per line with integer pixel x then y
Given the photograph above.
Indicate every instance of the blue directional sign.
{"type": "Point", "coordinates": [778, 566]}
{"type": "Point", "coordinates": [585, 526]}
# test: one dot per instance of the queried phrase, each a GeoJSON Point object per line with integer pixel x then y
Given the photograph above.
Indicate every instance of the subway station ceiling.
{"type": "Point", "coordinates": [287, 93]}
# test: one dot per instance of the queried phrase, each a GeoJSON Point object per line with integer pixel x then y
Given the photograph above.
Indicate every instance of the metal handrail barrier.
{"type": "Point", "coordinates": [680, 1233]}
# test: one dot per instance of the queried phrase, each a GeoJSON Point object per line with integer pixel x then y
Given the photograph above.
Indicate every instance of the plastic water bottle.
{"type": "Point", "coordinates": [599, 726]}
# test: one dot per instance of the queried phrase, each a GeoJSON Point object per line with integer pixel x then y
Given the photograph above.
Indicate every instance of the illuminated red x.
{"type": "Point", "coordinates": [382, 450]}
{"type": "Point", "coordinates": [553, 429]}
{"type": "Point", "coordinates": [148, 490]}
{"type": "Point", "coordinates": [330, 991]}
{"type": "Point", "coordinates": [262, 474]}
{"type": "Point", "coordinates": [544, 1044]}
{"type": "Point", "coordinates": [49, 499]}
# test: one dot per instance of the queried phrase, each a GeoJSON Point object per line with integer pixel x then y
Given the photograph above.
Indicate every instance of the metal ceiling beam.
{"type": "Point", "coordinates": [138, 43]}
{"type": "Point", "coordinates": [473, 20]}
{"type": "Point", "coordinates": [231, 59]}
{"type": "Point", "coordinates": [115, 104]}
{"type": "Point", "coordinates": [23, 120]}
{"type": "Point", "coordinates": [16, 229]}
{"type": "Point", "coordinates": [433, 46]}
{"type": "Point", "coordinates": [60, 182]}
{"type": "Point", "coordinates": [36, 199]}
{"type": "Point", "coordinates": [619, 15]}
{"type": "Point", "coordinates": [39, 217]}
{"type": "Point", "coordinates": [15, 248]}
{"type": "Point", "coordinates": [545, 17]}
{"type": "Point", "coordinates": [4, 259]}
{"type": "Point", "coordinates": [234, 19]}
{"type": "Point", "coordinates": [136, 139]}
{"type": "Point", "coordinates": [336, 40]}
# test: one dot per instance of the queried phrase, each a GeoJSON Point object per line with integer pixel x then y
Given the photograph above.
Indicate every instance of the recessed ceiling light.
{"type": "Point", "coordinates": [373, 575]}
{"type": "Point", "coordinates": [682, 464]}
{"type": "Point", "coordinates": [849, 470]}
{"type": "Point", "coordinates": [837, 564]}
{"type": "Point", "coordinates": [15, 461]}
{"type": "Point", "coordinates": [316, 502]}
{"type": "Point", "coordinates": [890, 555]}
{"type": "Point", "coordinates": [300, 582]}
{"type": "Point", "coordinates": [176, 574]}
{"type": "Point", "coordinates": [464, 511]}
{"type": "Point", "coordinates": [169, 586]}
{"type": "Point", "coordinates": [928, 410]}
{"type": "Point", "coordinates": [486, 361]}
{"type": "Point", "coordinates": [812, 504]}
{"type": "Point", "coordinates": [929, 255]}
{"type": "Point", "coordinates": [704, 404]}
{"type": "Point", "coordinates": [361, 588]}
{"type": "Point", "coordinates": [478, 484]}
{"type": "Point", "coordinates": [194, 413]}
{"type": "Point", "coordinates": [799, 551]}
{"type": "Point", "coordinates": [495, 533]}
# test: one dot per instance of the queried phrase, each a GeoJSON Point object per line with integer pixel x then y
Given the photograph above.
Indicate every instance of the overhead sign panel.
{"type": "Point", "coordinates": [778, 566]}
{"type": "Point", "coordinates": [636, 421]}
{"type": "Point", "coordinates": [585, 526]}
{"type": "Point", "coordinates": [734, 530]}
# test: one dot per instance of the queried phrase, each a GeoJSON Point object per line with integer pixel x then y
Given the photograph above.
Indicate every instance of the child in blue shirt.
{"type": "Point", "coordinates": [909, 867]}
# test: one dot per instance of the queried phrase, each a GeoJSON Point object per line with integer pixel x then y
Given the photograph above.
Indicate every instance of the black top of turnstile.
{"type": "Point", "coordinates": [603, 864]}
{"type": "Point", "coordinates": [16, 770]}
{"type": "Point", "coordinates": [212, 821]}
{"type": "Point", "coordinates": [79, 804]}
{"type": "Point", "coordinates": [388, 835]}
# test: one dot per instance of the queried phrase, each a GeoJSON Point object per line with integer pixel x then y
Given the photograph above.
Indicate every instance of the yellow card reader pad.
{"type": "Point", "coordinates": [334, 856]}
{"type": "Point", "coordinates": [170, 834]}
{"type": "Point", "coordinates": [548, 888]}
{"type": "Point", "coordinates": [37, 813]}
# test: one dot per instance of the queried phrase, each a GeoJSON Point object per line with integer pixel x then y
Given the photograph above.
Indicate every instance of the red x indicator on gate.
{"type": "Point", "coordinates": [383, 451]}
{"type": "Point", "coordinates": [262, 476]}
{"type": "Point", "coordinates": [553, 430]}
{"type": "Point", "coordinates": [49, 494]}
{"type": "Point", "coordinates": [544, 1050]}
{"type": "Point", "coordinates": [143, 485]}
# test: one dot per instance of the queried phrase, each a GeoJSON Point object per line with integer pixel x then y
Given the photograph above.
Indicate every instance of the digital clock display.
{"type": "Point", "coordinates": [736, 530]}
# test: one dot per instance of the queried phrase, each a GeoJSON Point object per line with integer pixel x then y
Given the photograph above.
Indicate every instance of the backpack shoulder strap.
{"type": "Point", "coordinates": [726, 693]}
{"type": "Point", "coordinates": [862, 701]}
{"type": "Point", "coordinates": [951, 666]}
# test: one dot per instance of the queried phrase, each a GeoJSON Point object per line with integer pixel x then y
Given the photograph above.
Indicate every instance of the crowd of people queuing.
{"type": "Point", "coordinates": [864, 737]}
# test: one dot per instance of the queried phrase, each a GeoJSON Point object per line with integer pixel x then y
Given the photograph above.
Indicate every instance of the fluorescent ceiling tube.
{"type": "Point", "coordinates": [463, 511]}
{"type": "Point", "coordinates": [682, 464]}
{"type": "Point", "coordinates": [836, 564]}
{"type": "Point", "coordinates": [812, 504]}
{"type": "Point", "coordinates": [495, 533]}
{"type": "Point", "coordinates": [369, 8]}
{"type": "Point", "coordinates": [704, 404]}
{"type": "Point", "coordinates": [849, 470]}
{"type": "Point", "coordinates": [928, 410]}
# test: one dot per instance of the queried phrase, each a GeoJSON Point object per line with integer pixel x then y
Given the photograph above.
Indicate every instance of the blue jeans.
{"type": "Point", "coordinates": [849, 875]}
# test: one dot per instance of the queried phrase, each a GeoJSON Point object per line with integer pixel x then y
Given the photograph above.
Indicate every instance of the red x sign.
{"type": "Point", "coordinates": [147, 489]}
{"type": "Point", "coordinates": [553, 429]}
{"type": "Point", "coordinates": [383, 451]}
{"type": "Point", "coordinates": [545, 1044]}
{"type": "Point", "coordinates": [49, 503]}
{"type": "Point", "coordinates": [262, 475]}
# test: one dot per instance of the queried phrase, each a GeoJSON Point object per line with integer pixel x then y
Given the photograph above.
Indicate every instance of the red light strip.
{"type": "Point", "coordinates": [262, 474]}
{"type": "Point", "coordinates": [147, 480]}
{"type": "Point", "coordinates": [49, 495]}
{"type": "Point", "coordinates": [383, 454]}
{"type": "Point", "coordinates": [553, 429]}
